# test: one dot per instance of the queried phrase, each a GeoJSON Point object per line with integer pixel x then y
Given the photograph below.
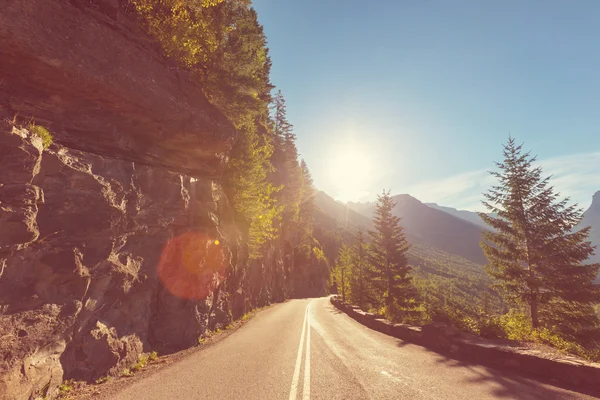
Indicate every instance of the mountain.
{"type": "Point", "coordinates": [433, 227]}
{"type": "Point", "coordinates": [342, 213]}
{"type": "Point", "coordinates": [470, 216]}
{"type": "Point", "coordinates": [591, 217]}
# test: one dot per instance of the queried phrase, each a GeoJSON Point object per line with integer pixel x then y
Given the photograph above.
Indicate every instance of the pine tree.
{"type": "Point", "coordinates": [389, 275]}
{"type": "Point", "coordinates": [359, 268]}
{"type": "Point", "coordinates": [342, 271]}
{"type": "Point", "coordinates": [535, 256]}
{"type": "Point", "coordinates": [307, 206]}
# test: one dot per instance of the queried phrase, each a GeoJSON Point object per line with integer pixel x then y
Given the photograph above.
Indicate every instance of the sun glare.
{"type": "Point", "coordinates": [350, 171]}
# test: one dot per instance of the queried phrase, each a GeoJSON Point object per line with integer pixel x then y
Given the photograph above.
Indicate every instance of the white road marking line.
{"type": "Point", "coordinates": [294, 388]}
{"type": "Point", "coordinates": [306, 389]}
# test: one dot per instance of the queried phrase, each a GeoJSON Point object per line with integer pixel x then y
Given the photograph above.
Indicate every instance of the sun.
{"type": "Point", "coordinates": [350, 172]}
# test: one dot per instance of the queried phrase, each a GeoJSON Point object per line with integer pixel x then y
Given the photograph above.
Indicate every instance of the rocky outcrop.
{"type": "Point", "coordinates": [118, 239]}
{"type": "Point", "coordinates": [92, 261]}
{"type": "Point", "coordinates": [101, 86]}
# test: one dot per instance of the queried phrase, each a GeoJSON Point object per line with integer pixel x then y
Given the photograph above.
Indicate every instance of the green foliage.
{"type": "Point", "coordinates": [359, 285]}
{"type": "Point", "coordinates": [141, 364]}
{"type": "Point", "coordinates": [65, 387]}
{"type": "Point", "coordinates": [319, 254]}
{"type": "Point", "coordinates": [223, 44]}
{"type": "Point", "coordinates": [42, 133]}
{"type": "Point", "coordinates": [454, 290]}
{"type": "Point", "coordinates": [389, 273]}
{"type": "Point", "coordinates": [127, 373]}
{"type": "Point", "coordinates": [535, 256]}
{"type": "Point", "coordinates": [153, 356]}
{"type": "Point", "coordinates": [342, 271]}
{"type": "Point", "coordinates": [102, 380]}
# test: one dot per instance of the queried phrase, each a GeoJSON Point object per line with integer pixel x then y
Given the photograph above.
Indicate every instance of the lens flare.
{"type": "Point", "coordinates": [192, 265]}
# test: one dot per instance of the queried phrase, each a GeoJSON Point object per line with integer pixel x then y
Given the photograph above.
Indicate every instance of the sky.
{"type": "Point", "coordinates": [417, 96]}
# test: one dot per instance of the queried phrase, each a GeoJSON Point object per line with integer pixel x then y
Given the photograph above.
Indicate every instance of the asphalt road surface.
{"type": "Point", "coordinates": [307, 349]}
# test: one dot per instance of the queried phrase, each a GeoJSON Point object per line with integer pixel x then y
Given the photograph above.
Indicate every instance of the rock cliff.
{"type": "Point", "coordinates": [118, 239]}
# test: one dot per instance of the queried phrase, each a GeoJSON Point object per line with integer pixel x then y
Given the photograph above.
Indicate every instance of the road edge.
{"type": "Point", "coordinates": [574, 373]}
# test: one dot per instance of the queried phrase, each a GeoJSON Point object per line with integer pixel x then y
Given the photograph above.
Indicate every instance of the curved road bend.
{"type": "Point", "coordinates": [307, 349]}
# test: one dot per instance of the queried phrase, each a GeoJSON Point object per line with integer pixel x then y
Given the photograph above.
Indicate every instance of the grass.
{"type": "Point", "coordinates": [65, 387]}
{"type": "Point", "coordinates": [43, 134]}
{"type": "Point", "coordinates": [141, 364]}
{"type": "Point", "coordinates": [102, 380]}
{"type": "Point", "coordinates": [153, 356]}
{"type": "Point", "coordinates": [127, 373]}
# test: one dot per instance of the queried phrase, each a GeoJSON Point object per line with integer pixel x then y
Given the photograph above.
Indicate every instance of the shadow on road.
{"type": "Point", "coordinates": [508, 383]}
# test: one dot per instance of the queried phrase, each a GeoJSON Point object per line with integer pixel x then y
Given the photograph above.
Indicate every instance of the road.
{"type": "Point", "coordinates": [307, 349]}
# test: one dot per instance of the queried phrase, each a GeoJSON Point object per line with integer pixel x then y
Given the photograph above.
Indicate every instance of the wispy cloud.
{"type": "Point", "coordinates": [576, 176]}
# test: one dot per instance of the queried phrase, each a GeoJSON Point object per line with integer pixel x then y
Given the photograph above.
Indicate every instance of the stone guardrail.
{"type": "Point", "coordinates": [444, 339]}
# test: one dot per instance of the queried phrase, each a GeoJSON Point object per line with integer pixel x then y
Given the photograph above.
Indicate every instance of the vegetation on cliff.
{"type": "Point", "coordinates": [270, 188]}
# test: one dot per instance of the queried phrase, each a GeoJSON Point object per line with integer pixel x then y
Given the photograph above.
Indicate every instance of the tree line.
{"type": "Point", "coordinates": [537, 261]}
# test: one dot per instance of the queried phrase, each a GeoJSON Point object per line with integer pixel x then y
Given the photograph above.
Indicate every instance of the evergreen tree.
{"type": "Point", "coordinates": [389, 274]}
{"type": "Point", "coordinates": [342, 271]}
{"type": "Point", "coordinates": [285, 160]}
{"type": "Point", "coordinates": [307, 205]}
{"type": "Point", "coordinates": [535, 256]}
{"type": "Point", "coordinates": [359, 268]}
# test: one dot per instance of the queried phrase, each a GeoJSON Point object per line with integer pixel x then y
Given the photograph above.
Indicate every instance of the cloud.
{"type": "Point", "coordinates": [576, 176]}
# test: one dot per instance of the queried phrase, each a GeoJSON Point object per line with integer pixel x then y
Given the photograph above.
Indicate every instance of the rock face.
{"type": "Point", "coordinates": [118, 239]}
{"type": "Point", "coordinates": [101, 86]}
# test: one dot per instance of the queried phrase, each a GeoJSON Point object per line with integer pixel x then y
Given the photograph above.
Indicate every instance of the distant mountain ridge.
{"type": "Point", "coordinates": [445, 228]}
{"type": "Point", "coordinates": [342, 213]}
{"type": "Point", "coordinates": [470, 216]}
{"type": "Point", "coordinates": [433, 227]}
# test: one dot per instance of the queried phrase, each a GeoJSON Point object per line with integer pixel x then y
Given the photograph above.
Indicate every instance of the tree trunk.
{"type": "Point", "coordinates": [535, 322]}
{"type": "Point", "coordinates": [361, 287]}
{"type": "Point", "coordinates": [343, 288]}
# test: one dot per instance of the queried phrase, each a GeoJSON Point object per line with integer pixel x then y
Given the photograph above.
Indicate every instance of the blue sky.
{"type": "Point", "coordinates": [417, 96]}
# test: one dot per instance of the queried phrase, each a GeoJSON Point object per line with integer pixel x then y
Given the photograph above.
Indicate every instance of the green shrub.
{"type": "Point", "coordinates": [43, 134]}
{"type": "Point", "coordinates": [127, 372]}
{"type": "Point", "coordinates": [517, 326]}
{"type": "Point", "coordinates": [65, 387]}
{"type": "Point", "coordinates": [142, 362]}
{"type": "Point", "coordinates": [491, 328]}
{"type": "Point", "coordinates": [153, 356]}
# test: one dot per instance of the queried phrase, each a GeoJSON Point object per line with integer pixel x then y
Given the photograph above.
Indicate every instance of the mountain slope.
{"type": "Point", "coordinates": [342, 213]}
{"type": "Point", "coordinates": [439, 229]}
{"type": "Point", "coordinates": [591, 217]}
{"type": "Point", "coordinates": [433, 227]}
{"type": "Point", "coordinates": [469, 216]}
